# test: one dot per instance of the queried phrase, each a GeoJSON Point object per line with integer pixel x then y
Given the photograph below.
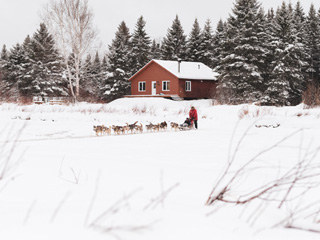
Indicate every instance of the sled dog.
{"type": "Point", "coordinates": [174, 126]}
{"type": "Point", "coordinates": [132, 127]}
{"type": "Point", "coordinates": [139, 128]}
{"type": "Point", "coordinates": [98, 130]}
{"type": "Point", "coordinates": [149, 127]}
{"type": "Point", "coordinates": [163, 125]}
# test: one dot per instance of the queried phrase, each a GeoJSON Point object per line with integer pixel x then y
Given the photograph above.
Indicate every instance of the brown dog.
{"type": "Point", "coordinates": [98, 130]}
{"type": "Point", "coordinates": [174, 126]}
{"type": "Point", "coordinates": [101, 129]}
{"type": "Point", "coordinates": [120, 129]}
{"type": "Point", "coordinates": [156, 127]}
{"type": "Point", "coordinates": [106, 130]}
{"type": "Point", "coordinates": [164, 125]}
{"type": "Point", "coordinates": [149, 127]}
{"type": "Point", "coordinates": [139, 128]}
{"type": "Point", "coordinates": [132, 127]}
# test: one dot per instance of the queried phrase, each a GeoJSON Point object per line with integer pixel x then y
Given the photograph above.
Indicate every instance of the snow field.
{"type": "Point", "coordinates": [67, 183]}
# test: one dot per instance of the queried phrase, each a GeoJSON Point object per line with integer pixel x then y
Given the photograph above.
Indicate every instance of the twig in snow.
{"type": "Point", "coordinates": [116, 207]}
{"type": "Point", "coordinates": [62, 202]}
{"type": "Point", "coordinates": [29, 212]}
{"type": "Point", "coordinates": [159, 199]}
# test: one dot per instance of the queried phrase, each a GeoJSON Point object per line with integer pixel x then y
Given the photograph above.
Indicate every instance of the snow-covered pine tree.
{"type": "Point", "coordinates": [194, 50]}
{"type": "Point", "coordinates": [96, 66]}
{"type": "Point", "coordinates": [206, 45]}
{"type": "Point", "coordinates": [270, 43]}
{"type": "Point", "coordinates": [174, 44]}
{"type": "Point", "coordinates": [287, 82]}
{"type": "Point", "coordinates": [97, 69]}
{"type": "Point", "coordinates": [312, 47]}
{"type": "Point", "coordinates": [141, 45]}
{"type": "Point", "coordinates": [46, 74]}
{"type": "Point", "coordinates": [299, 22]}
{"type": "Point", "coordinates": [86, 84]}
{"type": "Point", "coordinates": [243, 53]}
{"type": "Point", "coordinates": [218, 42]}
{"type": "Point", "coordinates": [264, 37]}
{"type": "Point", "coordinates": [15, 69]}
{"type": "Point", "coordinates": [26, 72]}
{"type": "Point", "coordinates": [4, 84]}
{"type": "Point", "coordinates": [91, 79]}
{"type": "Point", "coordinates": [155, 50]}
{"type": "Point", "coordinates": [117, 84]}
{"type": "Point", "coordinates": [4, 53]}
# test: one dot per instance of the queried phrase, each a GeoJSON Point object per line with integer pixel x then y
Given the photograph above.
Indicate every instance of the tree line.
{"type": "Point", "coordinates": [268, 57]}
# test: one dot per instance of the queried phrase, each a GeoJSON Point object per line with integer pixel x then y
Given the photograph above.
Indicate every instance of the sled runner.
{"type": "Point", "coordinates": [187, 125]}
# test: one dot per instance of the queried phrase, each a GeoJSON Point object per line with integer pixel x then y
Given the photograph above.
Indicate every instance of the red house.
{"type": "Point", "coordinates": [174, 79]}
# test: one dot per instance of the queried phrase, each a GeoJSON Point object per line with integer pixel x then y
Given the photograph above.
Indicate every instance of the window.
{"type": "Point", "coordinates": [188, 86]}
{"type": "Point", "coordinates": [142, 86]}
{"type": "Point", "coordinates": [165, 85]}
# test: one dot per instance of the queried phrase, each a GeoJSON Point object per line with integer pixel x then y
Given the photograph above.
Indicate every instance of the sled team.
{"type": "Point", "coordinates": [190, 123]}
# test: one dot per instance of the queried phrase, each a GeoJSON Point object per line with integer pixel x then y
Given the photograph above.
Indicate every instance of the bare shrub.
{"type": "Point", "coordinates": [301, 114]}
{"type": "Point", "coordinates": [224, 95]}
{"type": "Point", "coordinates": [311, 97]}
{"type": "Point", "coordinates": [290, 186]}
{"type": "Point", "coordinates": [255, 112]}
{"type": "Point", "coordinates": [139, 111]}
{"type": "Point", "coordinates": [243, 112]}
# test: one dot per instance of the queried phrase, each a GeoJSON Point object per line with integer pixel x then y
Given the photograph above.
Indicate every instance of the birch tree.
{"type": "Point", "coordinates": [71, 24]}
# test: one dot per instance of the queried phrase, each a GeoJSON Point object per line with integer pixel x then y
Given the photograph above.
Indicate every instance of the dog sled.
{"type": "Point", "coordinates": [187, 125]}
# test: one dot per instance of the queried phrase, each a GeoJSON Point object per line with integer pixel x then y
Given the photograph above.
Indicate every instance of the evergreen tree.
{"type": "Point", "coordinates": [287, 82]}
{"type": "Point", "coordinates": [4, 56]}
{"type": "Point", "coordinates": [15, 68]}
{"type": "Point", "coordinates": [91, 79]}
{"type": "Point", "coordinates": [155, 50]}
{"type": "Point", "coordinates": [4, 53]}
{"type": "Point", "coordinates": [195, 50]}
{"type": "Point", "coordinates": [206, 45]}
{"type": "Point", "coordinates": [119, 69]}
{"type": "Point", "coordinates": [218, 42]}
{"type": "Point", "coordinates": [86, 83]}
{"type": "Point", "coordinates": [299, 23]}
{"type": "Point", "coordinates": [243, 53]}
{"type": "Point", "coordinates": [96, 64]}
{"type": "Point", "coordinates": [271, 44]}
{"type": "Point", "coordinates": [46, 73]}
{"type": "Point", "coordinates": [26, 73]}
{"type": "Point", "coordinates": [312, 47]}
{"type": "Point", "coordinates": [174, 44]}
{"type": "Point", "coordinates": [140, 53]}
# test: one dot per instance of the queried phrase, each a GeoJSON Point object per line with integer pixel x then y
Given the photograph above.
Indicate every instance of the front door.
{"type": "Point", "coordinates": [154, 88]}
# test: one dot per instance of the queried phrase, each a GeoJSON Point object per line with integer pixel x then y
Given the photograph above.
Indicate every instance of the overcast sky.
{"type": "Point", "coordinates": [18, 18]}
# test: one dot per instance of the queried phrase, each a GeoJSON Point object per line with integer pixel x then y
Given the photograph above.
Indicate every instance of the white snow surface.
{"type": "Point", "coordinates": [58, 180]}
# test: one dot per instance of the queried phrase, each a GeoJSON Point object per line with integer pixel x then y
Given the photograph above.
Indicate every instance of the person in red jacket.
{"type": "Point", "coordinates": [193, 115]}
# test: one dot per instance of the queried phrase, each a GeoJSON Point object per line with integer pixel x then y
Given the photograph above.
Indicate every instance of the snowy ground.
{"type": "Point", "coordinates": [60, 181]}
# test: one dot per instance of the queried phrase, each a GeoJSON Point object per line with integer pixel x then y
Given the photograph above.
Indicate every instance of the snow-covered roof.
{"type": "Point", "coordinates": [188, 70]}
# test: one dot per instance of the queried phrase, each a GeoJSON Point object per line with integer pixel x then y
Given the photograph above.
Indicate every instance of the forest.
{"type": "Point", "coordinates": [271, 57]}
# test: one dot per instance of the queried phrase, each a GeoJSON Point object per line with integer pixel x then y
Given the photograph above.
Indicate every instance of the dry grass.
{"type": "Point", "coordinates": [256, 112]}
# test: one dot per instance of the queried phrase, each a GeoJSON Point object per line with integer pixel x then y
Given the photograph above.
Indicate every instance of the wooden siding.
{"type": "Point", "coordinates": [154, 72]}
{"type": "Point", "coordinates": [199, 88]}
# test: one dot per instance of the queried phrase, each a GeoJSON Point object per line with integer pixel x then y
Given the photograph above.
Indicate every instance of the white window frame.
{"type": "Point", "coordinates": [188, 86]}
{"type": "Point", "coordinates": [167, 84]}
{"type": "Point", "coordinates": [142, 86]}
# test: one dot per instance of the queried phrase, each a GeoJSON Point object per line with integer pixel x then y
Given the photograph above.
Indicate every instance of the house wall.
{"type": "Point", "coordinates": [154, 72]}
{"type": "Point", "coordinates": [199, 88]}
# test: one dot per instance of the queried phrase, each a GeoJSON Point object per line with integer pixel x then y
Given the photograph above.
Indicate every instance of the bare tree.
{"type": "Point", "coordinates": [71, 24]}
